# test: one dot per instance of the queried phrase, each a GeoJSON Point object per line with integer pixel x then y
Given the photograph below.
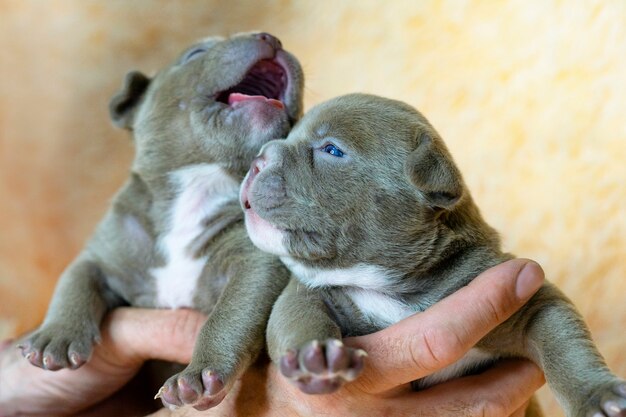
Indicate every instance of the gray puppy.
{"type": "Point", "coordinates": [366, 207]}
{"type": "Point", "coordinates": [174, 236]}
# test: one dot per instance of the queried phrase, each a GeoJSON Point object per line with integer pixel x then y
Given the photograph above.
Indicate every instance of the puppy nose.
{"type": "Point", "coordinates": [270, 39]}
{"type": "Point", "coordinates": [257, 165]}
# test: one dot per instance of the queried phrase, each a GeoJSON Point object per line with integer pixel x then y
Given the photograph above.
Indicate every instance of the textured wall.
{"type": "Point", "coordinates": [530, 97]}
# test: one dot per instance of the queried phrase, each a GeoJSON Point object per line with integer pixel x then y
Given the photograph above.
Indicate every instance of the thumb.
{"type": "Point", "coordinates": [427, 342]}
{"type": "Point", "coordinates": [135, 335]}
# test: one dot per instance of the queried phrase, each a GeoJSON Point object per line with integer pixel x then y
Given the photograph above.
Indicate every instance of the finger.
{"type": "Point", "coordinates": [426, 342]}
{"type": "Point", "coordinates": [136, 334]}
{"type": "Point", "coordinates": [500, 391]}
{"type": "Point", "coordinates": [521, 412]}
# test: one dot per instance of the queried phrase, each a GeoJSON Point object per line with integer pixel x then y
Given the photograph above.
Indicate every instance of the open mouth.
{"type": "Point", "coordinates": [266, 81]}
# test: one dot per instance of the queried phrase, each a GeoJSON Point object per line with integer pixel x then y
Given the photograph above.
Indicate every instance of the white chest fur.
{"type": "Point", "coordinates": [370, 277]}
{"type": "Point", "coordinates": [379, 307]}
{"type": "Point", "coordinates": [203, 189]}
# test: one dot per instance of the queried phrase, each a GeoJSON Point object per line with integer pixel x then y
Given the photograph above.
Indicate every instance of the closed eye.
{"type": "Point", "coordinates": [193, 54]}
{"type": "Point", "coordinates": [333, 150]}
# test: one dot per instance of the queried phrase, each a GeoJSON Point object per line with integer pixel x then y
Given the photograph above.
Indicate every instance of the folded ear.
{"type": "Point", "coordinates": [431, 168]}
{"type": "Point", "coordinates": [123, 104]}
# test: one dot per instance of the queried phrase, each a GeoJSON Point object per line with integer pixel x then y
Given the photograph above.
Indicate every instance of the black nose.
{"type": "Point", "coordinates": [270, 39]}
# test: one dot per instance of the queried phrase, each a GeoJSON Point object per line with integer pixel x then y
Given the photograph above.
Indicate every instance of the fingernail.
{"type": "Point", "coordinates": [529, 280]}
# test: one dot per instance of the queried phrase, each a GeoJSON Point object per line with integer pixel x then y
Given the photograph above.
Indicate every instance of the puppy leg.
{"type": "Point", "coordinates": [552, 333]}
{"type": "Point", "coordinates": [306, 343]}
{"type": "Point", "coordinates": [66, 337]}
{"type": "Point", "coordinates": [230, 340]}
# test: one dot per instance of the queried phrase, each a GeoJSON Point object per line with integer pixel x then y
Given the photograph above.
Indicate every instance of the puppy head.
{"type": "Point", "coordinates": [360, 179]}
{"type": "Point", "coordinates": [219, 101]}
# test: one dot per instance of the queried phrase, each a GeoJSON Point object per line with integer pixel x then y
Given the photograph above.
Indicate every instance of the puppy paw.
{"type": "Point", "coordinates": [201, 389]}
{"type": "Point", "coordinates": [322, 367]}
{"type": "Point", "coordinates": [608, 401]}
{"type": "Point", "coordinates": [55, 347]}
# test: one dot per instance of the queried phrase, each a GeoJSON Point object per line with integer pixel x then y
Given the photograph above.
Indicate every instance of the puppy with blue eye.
{"type": "Point", "coordinates": [174, 235]}
{"type": "Point", "coordinates": [366, 207]}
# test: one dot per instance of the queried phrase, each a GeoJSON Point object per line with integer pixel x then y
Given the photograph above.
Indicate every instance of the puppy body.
{"type": "Point", "coordinates": [174, 236]}
{"type": "Point", "coordinates": [366, 207]}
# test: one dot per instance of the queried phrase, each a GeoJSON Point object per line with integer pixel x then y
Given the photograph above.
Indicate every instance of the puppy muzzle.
{"type": "Point", "coordinates": [267, 192]}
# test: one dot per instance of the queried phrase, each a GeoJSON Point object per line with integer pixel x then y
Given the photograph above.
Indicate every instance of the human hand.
{"type": "Point", "coordinates": [409, 350]}
{"type": "Point", "coordinates": [129, 337]}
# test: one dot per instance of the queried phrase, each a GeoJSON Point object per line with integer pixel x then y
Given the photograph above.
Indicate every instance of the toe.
{"type": "Point", "coordinates": [614, 406]}
{"type": "Point", "coordinates": [289, 365]}
{"type": "Point", "coordinates": [213, 384]}
{"type": "Point", "coordinates": [337, 355]}
{"type": "Point", "coordinates": [34, 357]}
{"type": "Point", "coordinates": [312, 358]}
{"type": "Point", "coordinates": [169, 394]}
{"type": "Point", "coordinates": [187, 393]}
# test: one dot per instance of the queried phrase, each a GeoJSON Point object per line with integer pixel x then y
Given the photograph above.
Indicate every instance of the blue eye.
{"type": "Point", "coordinates": [333, 150]}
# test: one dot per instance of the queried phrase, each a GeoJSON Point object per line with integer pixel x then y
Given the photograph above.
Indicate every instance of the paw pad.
{"type": "Point", "coordinates": [200, 389]}
{"type": "Point", "coordinates": [322, 367]}
{"type": "Point", "coordinates": [56, 347]}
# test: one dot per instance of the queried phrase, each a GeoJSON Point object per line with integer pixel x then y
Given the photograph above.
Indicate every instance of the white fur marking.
{"type": "Point", "coordinates": [262, 233]}
{"type": "Point", "coordinates": [204, 188]}
{"type": "Point", "coordinates": [369, 277]}
{"type": "Point", "coordinates": [379, 307]}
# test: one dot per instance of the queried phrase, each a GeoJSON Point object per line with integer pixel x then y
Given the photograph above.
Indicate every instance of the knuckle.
{"type": "Point", "coordinates": [493, 311]}
{"type": "Point", "coordinates": [437, 348]}
{"type": "Point", "coordinates": [498, 303]}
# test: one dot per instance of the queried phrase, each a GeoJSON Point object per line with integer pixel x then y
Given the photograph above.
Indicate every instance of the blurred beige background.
{"type": "Point", "coordinates": [530, 97]}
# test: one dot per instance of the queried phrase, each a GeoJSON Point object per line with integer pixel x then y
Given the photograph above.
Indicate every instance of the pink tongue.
{"type": "Point", "coordinates": [237, 97]}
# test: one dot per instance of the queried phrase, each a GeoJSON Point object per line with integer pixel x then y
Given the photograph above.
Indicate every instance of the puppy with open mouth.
{"type": "Point", "coordinates": [366, 207]}
{"type": "Point", "coordinates": [174, 235]}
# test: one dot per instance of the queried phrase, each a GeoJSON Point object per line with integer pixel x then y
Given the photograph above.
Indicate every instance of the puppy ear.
{"type": "Point", "coordinates": [123, 104]}
{"type": "Point", "coordinates": [431, 169]}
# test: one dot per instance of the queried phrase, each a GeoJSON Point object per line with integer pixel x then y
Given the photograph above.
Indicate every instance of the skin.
{"type": "Point", "coordinates": [131, 335]}
{"type": "Point", "coordinates": [365, 205]}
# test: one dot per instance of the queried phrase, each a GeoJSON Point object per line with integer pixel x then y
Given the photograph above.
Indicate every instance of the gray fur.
{"type": "Point", "coordinates": [393, 222]}
{"type": "Point", "coordinates": [181, 130]}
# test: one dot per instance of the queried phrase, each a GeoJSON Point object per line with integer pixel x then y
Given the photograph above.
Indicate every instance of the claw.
{"type": "Point", "coordinates": [160, 393]}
